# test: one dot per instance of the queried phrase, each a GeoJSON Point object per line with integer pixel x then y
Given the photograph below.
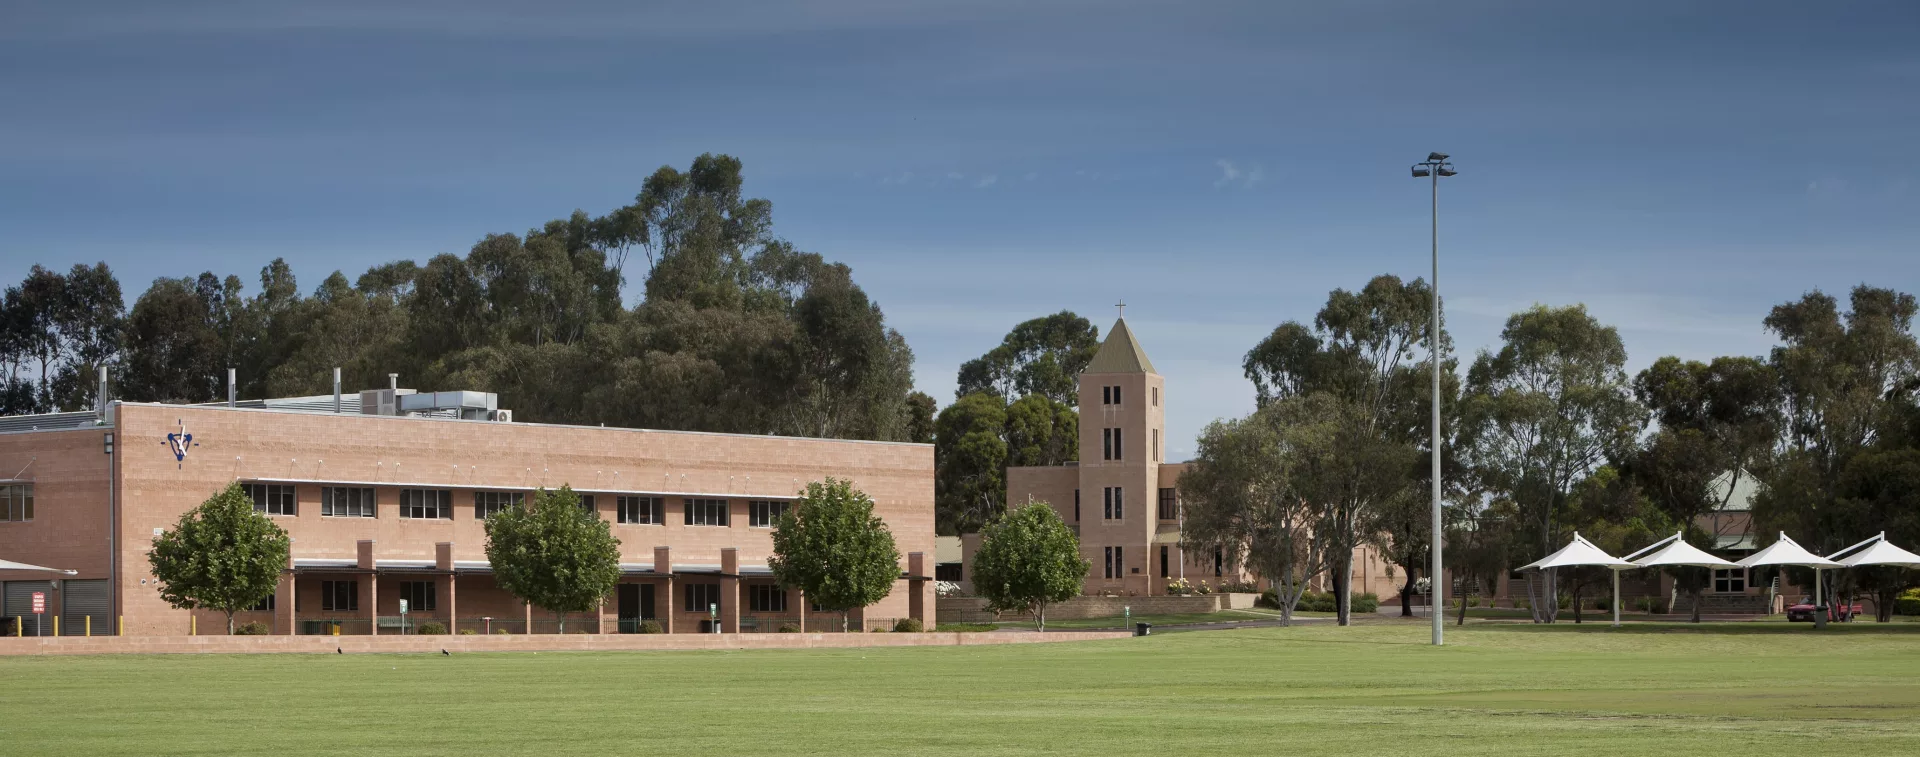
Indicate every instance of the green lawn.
{"type": "Point", "coordinates": [1510, 689]}
{"type": "Point", "coordinates": [1177, 619]}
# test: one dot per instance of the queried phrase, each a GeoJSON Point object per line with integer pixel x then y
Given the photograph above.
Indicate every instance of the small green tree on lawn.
{"type": "Point", "coordinates": [1027, 560]}
{"type": "Point", "coordinates": [554, 554]}
{"type": "Point", "coordinates": [831, 546]}
{"type": "Point", "coordinates": [221, 555]}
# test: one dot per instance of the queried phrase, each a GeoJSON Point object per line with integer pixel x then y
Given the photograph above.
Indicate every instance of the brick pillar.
{"type": "Point", "coordinates": [443, 560]}
{"type": "Point", "coordinates": [526, 609]}
{"type": "Point", "coordinates": [857, 620]}
{"type": "Point", "coordinates": [283, 601]}
{"type": "Point", "coordinates": [917, 588]}
{"type": "Point", "coordinates": [730, 590]}
{"type": "Point", "coordinates": [365, 547]}
{"type": "Point", "coordinates": [797, 600]}
{"type": "Point", "coordinates": [663, 566]}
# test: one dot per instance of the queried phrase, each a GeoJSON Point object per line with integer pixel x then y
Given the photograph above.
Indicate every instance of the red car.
{"type": "Point", "coordinates": [1839, 612]}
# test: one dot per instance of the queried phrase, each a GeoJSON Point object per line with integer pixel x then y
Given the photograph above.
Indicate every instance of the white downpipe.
{"type": "Point", "coordinates": [1616, 598]}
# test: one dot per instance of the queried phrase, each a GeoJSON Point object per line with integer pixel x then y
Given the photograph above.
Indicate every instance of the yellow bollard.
{"type": "Point", "coordinates": [121, 626]}
{"type": "Point", "coordinates": [193, 625]}
{"type": "Point", "coordinates": [89, 626]}
{"type": "Point", "coordinates": [56, 625]}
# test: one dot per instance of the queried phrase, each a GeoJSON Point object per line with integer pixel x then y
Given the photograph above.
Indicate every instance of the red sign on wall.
{"type": "Point", "coordinates": [39, 602]}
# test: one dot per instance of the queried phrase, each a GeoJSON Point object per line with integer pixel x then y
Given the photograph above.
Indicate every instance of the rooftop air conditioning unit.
{"type": "Point", "coordinates": [503, 416]}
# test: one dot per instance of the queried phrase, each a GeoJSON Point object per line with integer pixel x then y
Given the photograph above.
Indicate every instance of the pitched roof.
{"type": "Point", "coordinates": [1121, 353]}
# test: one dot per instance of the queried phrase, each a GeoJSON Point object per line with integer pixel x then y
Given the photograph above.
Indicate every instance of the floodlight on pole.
{"type": "Point", "coordinates": [1434, 167]}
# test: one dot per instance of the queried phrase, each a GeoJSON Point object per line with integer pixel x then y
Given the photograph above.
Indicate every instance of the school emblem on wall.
{"type": "Point", "coordinates": [180, 442]}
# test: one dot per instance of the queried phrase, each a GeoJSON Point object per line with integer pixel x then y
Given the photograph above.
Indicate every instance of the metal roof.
{"type": "Point", "coordinates": [47, 422]}
{"type": "Point", "coordinates": [1121, 353]}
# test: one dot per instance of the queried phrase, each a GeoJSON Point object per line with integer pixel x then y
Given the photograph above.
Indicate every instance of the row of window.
{"type": "Point", "coordinates": [1113, 504]}
{"type": "Point", "coordinates": [1110, 395]}
{"type": "Point", "coordinates": [16, 502]}
{"type": "Point", "coordinates": [1112, 444]}
{"type": "Point", "coordinates": [430, 504]}
{"type": "Point", "coordinates": [1116, 562]}
{"type": "Point", "coordinates": [344, 596]}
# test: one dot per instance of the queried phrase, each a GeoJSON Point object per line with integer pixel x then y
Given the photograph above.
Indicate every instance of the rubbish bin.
{"type": "Point", "coordinates": [1820, 617]}
{"type": "Point", "coordinates": [1142, 629]}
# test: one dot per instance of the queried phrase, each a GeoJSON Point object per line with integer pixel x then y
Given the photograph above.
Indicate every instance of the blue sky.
{"type": "Point", "coordinates": [1678, 167]}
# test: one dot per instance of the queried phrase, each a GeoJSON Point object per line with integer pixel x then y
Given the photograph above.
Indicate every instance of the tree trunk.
{"type": "Point", "coordinates": [1406, 593]}
{"type": "Point", "coordinates": [229, 622]}
{"type": "Point", "coordinates": [1343, 590]}
{"type": "Point", "coordinates": [1696, 604]}
{"type": "Point", "coordinates": [1040, 619]}
{"type": "Point", "coordinates": [1463, 611]}
{"type": "Point", "coordinates": [1883, 600]}
{"type": "Point", "coordinates": [1577, 616]}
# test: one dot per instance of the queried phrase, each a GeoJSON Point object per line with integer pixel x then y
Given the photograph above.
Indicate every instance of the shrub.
{"type": "Point", "coordinates": [255, 628]}
{"type": "Point", "coordinates": [789, 628]}
{"type": "Point", "coordinates": [877, 629]}
{"type": "Point", "coordinates": [1368, 602]}
{"type": "Point", "coordinates": [966, 627]}
{"type": "Point", "coordinates": [431, 628]}
{"type": "Point", "coordinates": [1268, 599]}
{"type": "Point", "coordinates": [1179, 588]}
{"type": "Point", "coordinates": [1650, 605]}
{"type": "Point", "coordinates": [469, 632]}
{"type": "Point", "coordinates": [908, 625]}
{"type": "Point", "coordinates": [502, 632]}
{"type": "Point", "coordinates": [1522, 604]}
{"type": "Point", "coordinates": [1239, 587]}
{"type": "Point", "coordinates": [651, 626]}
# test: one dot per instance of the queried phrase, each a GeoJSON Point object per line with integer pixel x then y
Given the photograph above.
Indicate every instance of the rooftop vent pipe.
{"type": "Point", "coordinates": [336, 390]}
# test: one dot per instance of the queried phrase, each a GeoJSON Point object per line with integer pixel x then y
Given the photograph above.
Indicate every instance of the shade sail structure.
{"type": "Point", "coordinates": [1878, 551]}
{"type": "Point", "coordinates": [1674, 552]}
{"type": "Point", "coordinates": [1578, 552]}
{"type": "Point", "coordinates": [11, 565]}
{"type": "Point", "coordinates": [1786, 552]}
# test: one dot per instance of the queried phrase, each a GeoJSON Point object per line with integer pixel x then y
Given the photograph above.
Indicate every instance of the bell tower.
{"type": "Point", "coordinates": [1122, 425]}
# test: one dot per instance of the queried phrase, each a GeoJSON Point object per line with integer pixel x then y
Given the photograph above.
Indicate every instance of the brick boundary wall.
{"type": "Point", "coordinates": [83, 645]}
{"type": "Point", "coordinates": [1080, 608]}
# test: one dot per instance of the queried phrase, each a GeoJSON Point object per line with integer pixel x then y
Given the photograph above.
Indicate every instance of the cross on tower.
{"type": "Point", "coordinates": [1122, 307]}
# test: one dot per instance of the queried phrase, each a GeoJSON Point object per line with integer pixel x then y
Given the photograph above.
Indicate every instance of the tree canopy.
{"type": "Point", "coordinates": [833, 548]}
{"type": "Point", "coordinates": [1028, 559]}
{"type": "Point", "coordinates": [738, 330]}
{"type": "Point", "coordinates": [554, 554]}
{"type": "Point", "coordinates": [221, 555]}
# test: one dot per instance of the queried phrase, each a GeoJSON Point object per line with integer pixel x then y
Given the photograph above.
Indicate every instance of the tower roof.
{"type": "Point", "coordinates": [1121, 353]}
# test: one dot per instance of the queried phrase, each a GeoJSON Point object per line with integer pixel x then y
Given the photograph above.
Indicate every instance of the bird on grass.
{"type": "Point", "coordinates": [447, 653]}
{"type": "Point", "coordinates": [337, 650]}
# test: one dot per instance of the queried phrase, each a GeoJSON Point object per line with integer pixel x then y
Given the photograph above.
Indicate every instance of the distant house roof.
{"type": "Point", "coordinates": [1121, 353]}
{"type": "Point", "coordinates": [1743, 491]}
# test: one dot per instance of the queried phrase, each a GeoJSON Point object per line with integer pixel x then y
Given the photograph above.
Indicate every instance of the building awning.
{"type": "Point", "coordinates": [11, 565]}
{"type": "Point", "coordinates": [323, 563]}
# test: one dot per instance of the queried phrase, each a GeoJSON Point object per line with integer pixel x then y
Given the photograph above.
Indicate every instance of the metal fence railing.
{"type": "Point", "coordinates": [572, 623]}
{"type": "Point", "coordinates": [334, 627]}
{"type": "Point", "coordinates": [490, 625]}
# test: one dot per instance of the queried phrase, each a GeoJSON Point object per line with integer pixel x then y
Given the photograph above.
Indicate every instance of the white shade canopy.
{"type": "Point", "coordinates": [1579, 552]}
{"type": "Point", "coordinates": [11, 565]}
{"type": "Point", "coordinates": [1879, 552]}
{"type": "Point", "coordinates": [1674, 551]}
{"type": "Point", "coordinates": [1786, 552]}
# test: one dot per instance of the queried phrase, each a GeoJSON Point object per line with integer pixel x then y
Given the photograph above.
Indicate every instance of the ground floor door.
{"type": "Point", "coordinates": [86, 607]}
{"type": "Point", "coordinates": [635, 605]}
{"type": "Point", "coordinates": [17, 604]}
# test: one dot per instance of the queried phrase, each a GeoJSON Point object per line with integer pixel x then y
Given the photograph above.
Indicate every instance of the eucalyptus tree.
{"type": "Point", "coordinates": [1541, 415]}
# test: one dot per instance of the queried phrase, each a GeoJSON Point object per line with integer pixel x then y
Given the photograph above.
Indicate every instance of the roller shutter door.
{"type": "Point", "coordinates": [19, 603]}
{"type": "Point", "coordinates": [80, 599]}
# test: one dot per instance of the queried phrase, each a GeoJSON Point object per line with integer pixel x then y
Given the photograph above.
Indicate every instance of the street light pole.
{"type": "Point", "coordinates": [1434, 167]}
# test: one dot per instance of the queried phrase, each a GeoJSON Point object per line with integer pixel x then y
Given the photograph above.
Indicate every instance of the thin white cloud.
{"type": "Point", "coordinates": [987, 181]}
{"type": "Point", "coordinates": [955, 175]}
{"type": "Point", "coordinates": [1229, 173]}
{"type": "Point", "coordinates": [1233, 174]}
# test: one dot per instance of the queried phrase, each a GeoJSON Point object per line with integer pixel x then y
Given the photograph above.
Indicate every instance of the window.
{"type": "Point", "coordinates": [346, 502]}
{"type": "Point", "coordinates": [264, 605]}
{"type": "Point", "coordinates": [1156, 396]}
{"type": "Point", "coordinates": [1109, 573]}
{"type": "Point", "coordinates": [1163, 561]}
{"type": "Point", "coordinates": [488, 503]}
{"type": "Point", "coordinates": [764, 598]}
{"type": "Point", "coordinates": [949, 571]}
{"type": "Point", "coordinates": [1219, 562]}
{"type": "Point", "coordinates": [1076, 505]}
{"type": "Point", "coordinates": [1156, 445]}
{"type": "Point", "coordinates": [590, 505]}
{"type": "Point", "coordinates": [641, 510]}
{"type": "Point", "coordinates": [1116, 395]}
{"type": "Point", "coordinates": [419, 595]}
{"type": "Point", "coordinates": [762, 513]}
{"type": "Point", "coordinates": [16, 502]}
{"type": "Point", "coordinates": [1117, 454]}
{"type": "Point", "coordinates": [1733, 580]}
{"type": "Point", "coordinates": [706, 512]}
{"type": "Point", "coordinates": [272, 499]}
{"type": "Point", "coordinates": [1106, 395]}
{"type": "Point", "coordinates": [426, 503]}
{"type": "Point", "coordinates": [701, 596]}
{"type": "Point", "coordinates": [339, 596]}
{"type": "Point", "coordinates": [1110, 444]}
{"type": "Point", "coordinates": [1119, 562]}
{"type": "Point", "coordinates": [1169, 504]}
{"type": "Point", "coordinates": [1114, 504]}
